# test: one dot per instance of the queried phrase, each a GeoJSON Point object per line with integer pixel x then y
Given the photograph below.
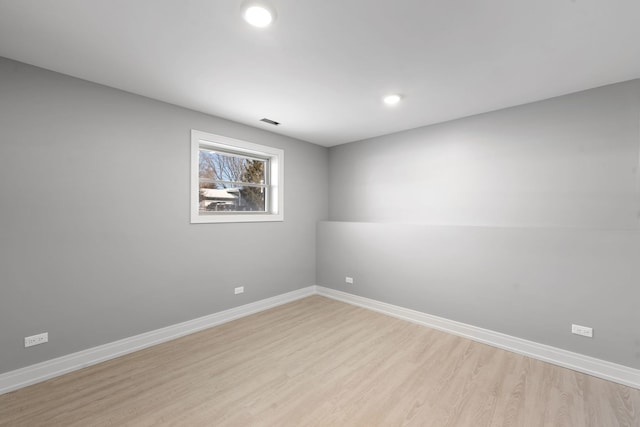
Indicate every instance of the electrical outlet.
{"type": "Point", "coordinates": [36, 339]}
{"type": "Point", "coordinates": [348, 280]}
{"type": "Point", "coordinates": [239, 290]}
{"type": "Point", "coordinates": [585, 331]}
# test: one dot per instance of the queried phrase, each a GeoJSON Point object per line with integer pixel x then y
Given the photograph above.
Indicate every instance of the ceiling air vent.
{"type": "Point", "coordinates": [271, 122]}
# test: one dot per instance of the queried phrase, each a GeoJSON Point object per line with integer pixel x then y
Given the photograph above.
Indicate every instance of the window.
{"type": "Point", "coordinates": [234, 180]}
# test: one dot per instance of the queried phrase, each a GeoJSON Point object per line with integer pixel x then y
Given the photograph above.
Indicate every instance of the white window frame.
{"type": "Point", "coordinates": [275, 189]}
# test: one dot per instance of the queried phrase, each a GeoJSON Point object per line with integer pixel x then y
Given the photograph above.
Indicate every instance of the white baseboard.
{"type": "Point", "coordinates": [19, 378]}
{"type": "Point", "coordinates": [567, 359]}
{"type": "Point", "coordinates": [23, 377]}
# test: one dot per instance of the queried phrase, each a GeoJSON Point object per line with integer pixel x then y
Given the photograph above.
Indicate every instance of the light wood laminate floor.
{"type": "Point", "coordinates": [319, 362]}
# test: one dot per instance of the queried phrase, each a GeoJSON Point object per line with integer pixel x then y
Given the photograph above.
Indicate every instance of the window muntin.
{"type": "Point", "coordinates": [234, 180]}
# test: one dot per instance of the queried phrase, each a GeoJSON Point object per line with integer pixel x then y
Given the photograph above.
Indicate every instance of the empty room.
{"type": "Point", "coordinates": [320, 213]}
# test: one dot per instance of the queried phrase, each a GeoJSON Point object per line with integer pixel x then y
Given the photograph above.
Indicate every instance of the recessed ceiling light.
{"type": "Point", "coordinates": [258, 14]}
{"type": "Point", "coordinates": [392, 99]}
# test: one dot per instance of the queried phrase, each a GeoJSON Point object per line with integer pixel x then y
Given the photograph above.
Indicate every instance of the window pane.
{"type": "Point", "coordinates": [228, 167]}
{"type": "Point", "coordinates": [214, 197]}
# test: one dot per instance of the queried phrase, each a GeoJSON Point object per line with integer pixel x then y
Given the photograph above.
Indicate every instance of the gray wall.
{"type": "Point", "coordinates": [95, 239]}
{"type": "Point", "coordinates": [522, 221]}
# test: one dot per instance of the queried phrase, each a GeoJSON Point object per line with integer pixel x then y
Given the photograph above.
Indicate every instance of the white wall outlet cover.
{"type": "Point", "coordinates": [585, 331]}
{"type": "Point", "coordinates": [36, 339]}
{"type": "Point", "coordinates": [348, 280]}
{"type": "Point", "coordinates": [239, 290]}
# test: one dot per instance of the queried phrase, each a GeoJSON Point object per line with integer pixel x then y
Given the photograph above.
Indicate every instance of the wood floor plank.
{"type": "Point", "coordinates": [319, 362]}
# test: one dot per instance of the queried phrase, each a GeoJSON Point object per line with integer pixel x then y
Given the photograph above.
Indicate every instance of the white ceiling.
{"type": "Point", "coordinates": [323, 67]}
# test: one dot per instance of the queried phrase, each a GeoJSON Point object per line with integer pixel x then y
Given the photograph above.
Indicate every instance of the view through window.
{"type": "Point", "coordinates": [231, 182]}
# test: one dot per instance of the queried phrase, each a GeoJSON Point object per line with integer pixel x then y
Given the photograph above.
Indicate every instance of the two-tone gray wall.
{"type": "Point", "coordinates": [521, 221]}
{"type": "Point", "coordinates": [95, 239]}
